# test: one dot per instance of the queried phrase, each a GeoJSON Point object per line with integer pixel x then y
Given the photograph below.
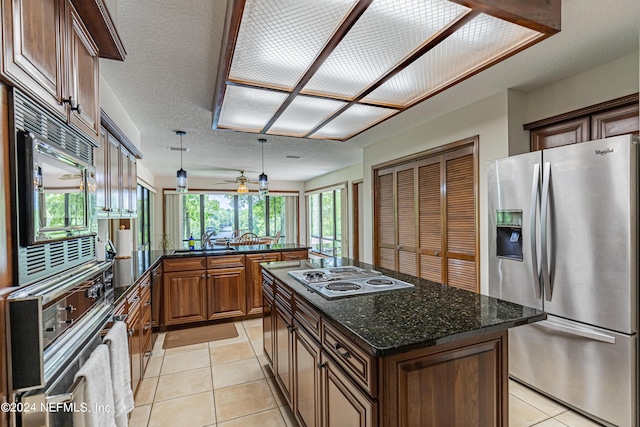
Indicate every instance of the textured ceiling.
{"type": "Point", "coordinates": [168, 79]}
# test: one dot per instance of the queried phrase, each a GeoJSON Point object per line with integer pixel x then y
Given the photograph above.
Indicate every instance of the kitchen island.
{"type": "Point", "coordinates": [429, 355]}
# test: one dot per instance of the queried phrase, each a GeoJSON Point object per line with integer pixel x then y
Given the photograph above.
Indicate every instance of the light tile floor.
{"type": "Point", "coordinates": [227, 384]}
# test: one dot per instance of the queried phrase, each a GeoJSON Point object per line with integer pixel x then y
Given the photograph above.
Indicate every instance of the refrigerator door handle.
{"type": "Point", "coordinates": [546, 176]}
{"type": "Point", "coordinates": [575, 331]}
{"type": "Point", "coordinates": [535, 190]}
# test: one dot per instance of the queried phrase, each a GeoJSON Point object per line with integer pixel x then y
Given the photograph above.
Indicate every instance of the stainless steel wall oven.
{"type": "Point", "coordinates": [54, 326]}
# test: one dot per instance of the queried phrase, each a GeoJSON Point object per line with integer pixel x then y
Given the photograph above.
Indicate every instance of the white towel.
{"type": "Point", "coordinates": [118, 344]}
{"type": "Point", "coordinates": [98, 393]}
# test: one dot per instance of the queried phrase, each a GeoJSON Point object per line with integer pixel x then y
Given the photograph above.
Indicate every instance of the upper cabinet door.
{"type": "Point", "coordinates": [84, 75]}
{"type": "Point", "coordinates": [33, 43]}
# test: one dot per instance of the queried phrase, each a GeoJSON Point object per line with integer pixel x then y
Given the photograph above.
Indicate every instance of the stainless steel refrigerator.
{"type": "Point", "coordinates": [564, 238]}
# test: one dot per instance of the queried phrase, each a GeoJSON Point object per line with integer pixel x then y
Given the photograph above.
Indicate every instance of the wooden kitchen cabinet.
{"type": "Point", "coordinates": [294, 255]}
{"type": "Point", "coordinates": [197, 289]}
{"type": "Point", "coordinates": [125, 177]}
{"type": "Point", "coordinates": [114, 189]}
{"type": "Point", "coordinates": [133, 185]}
{"type": "Point", "coordinates": [100, 161]}
{"type": "Point", "coordinates": [343, 404]}
{"type": "Point", "coordinates": [268, 321]}
{"type": "Point", "coordinates": [330, 379]}
{"type": "Point", "coordinates": [307, 363]}
{"type": "Point", "coordinates": [225, 292]}
{"type": "Point", "coordinates": [145, 320]}
{"type": "Point", "coordinates": [116, 177]}
{"type": "Point", "coordinates": [156, 296]}
{"type": "Point", "coordinates": [620, 121]}
{"type": "Point", "coordinates": [135, 338]}
{"type": "Point", "coordinates": [283, 351]}
{"type": "Point", "coordinates": [556, 135]}
{"type": "Point", "coordinates": [33, 48]}
{"type": "Point", "coordinates": [610, 118]}
{"type": "Point", "coordinates": [84, 76]}
{"type": "Point", "coordinates": [185, 297]}
{"type": "Point", "coordinates": [254, 279]}
{"type": "Point", "coordinates": [48, 52]}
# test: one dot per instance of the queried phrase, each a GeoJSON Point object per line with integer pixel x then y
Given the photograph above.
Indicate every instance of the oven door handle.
{"type": "Point", "coordinates": [77, 388]}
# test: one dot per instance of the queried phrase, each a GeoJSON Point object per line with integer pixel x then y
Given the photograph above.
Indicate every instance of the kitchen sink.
{"type": "Point", "coordinates": [204, 251]}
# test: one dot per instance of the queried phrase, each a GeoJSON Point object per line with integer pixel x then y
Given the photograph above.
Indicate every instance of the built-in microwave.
{"type": "Point", "coordinates": [56, 192]}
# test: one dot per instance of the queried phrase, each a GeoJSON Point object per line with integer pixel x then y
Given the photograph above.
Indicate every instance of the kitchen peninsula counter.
{"type": "Point", "coordinates": [127, 271]}
{"type": "Point", "coordinates": [430, 355]}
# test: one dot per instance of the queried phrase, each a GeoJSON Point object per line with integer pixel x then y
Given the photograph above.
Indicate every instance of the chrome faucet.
{"type": "Point", "coordinates": [206, 240]}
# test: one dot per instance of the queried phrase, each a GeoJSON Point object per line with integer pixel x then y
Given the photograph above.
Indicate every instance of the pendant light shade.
{"type": "Point", "coordinates": [242, 188]}
{"type": "Point", "coordinates": [181, 176]}
{"type": "Point", "coordinates": [263, 180]}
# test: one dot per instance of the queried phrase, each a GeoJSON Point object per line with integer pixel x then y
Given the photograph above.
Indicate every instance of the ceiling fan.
{"type": "Point", "coordinates": [240, 179]}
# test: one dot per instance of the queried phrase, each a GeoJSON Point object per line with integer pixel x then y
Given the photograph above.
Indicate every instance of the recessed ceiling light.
{"type": "Point", "coordinates": [177, 149]}
{"type": "Point", "coordinates": [330, 69]}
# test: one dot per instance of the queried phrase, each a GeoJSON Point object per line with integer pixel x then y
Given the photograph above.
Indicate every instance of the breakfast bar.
{"type": "Point", "coordinates": [427, 354]}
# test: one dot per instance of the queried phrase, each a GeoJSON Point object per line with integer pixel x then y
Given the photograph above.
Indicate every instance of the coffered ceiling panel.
{"type": "Point", "coordinates": [477, 43]}
{"type": "Point", "coordinates": [352, 57]}
{"type": "Point", "coordinates": [384, 35]}
{"type": "Point", "coordinates": [278, 40]}
{"type": "Point", "coordinates": [303, 115]}
{"type": "Point", "coordinates": [355, 119]}
{"type": "Point", "coordinates": [248, 109]}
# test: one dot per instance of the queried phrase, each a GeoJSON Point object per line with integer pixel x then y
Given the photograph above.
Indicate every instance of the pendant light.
{"type": "Point", "coordinates": [242, 188]}
{"type": "Point", "coordinates": [263, 181]}
{"type": "Point", "coordinates": [181, 175]}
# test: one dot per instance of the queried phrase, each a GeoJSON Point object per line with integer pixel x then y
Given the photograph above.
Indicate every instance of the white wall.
{"type": "Point", "coordinates": [608, 81]}
{"type": "Point", "coordinates": [348, 175]}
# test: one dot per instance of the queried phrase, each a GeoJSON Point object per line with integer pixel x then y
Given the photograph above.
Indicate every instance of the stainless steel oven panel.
{"type": "Point", "coordinates": [53, 288]}
{"type": "Point", "coordinates": [63, 361]}
{"type": "Point", "coordinates": [26, 361]}
{"type": "Point", "coordinates": [56, 355]}
{"type": "Point", "coordinates": [52, 175]}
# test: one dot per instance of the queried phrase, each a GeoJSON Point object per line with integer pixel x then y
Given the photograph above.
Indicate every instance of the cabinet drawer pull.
{"type": "Point", "coordinates": [337, 346]}
{"type": "Point", "coordinates": [322, 365]}
{"type": "Point", "coordinates": [147, 353]}
{"type": "Point", "coordinates": [203, 275]}
{"type": "Point", "coordinates": [130, 332]}
{"type": "Point", "coordinates": [147, 304]}
{"type": "Point", "coordinates": [147, 327]}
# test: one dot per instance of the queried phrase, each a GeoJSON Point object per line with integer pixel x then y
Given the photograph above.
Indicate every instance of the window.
{"type": "Point", "coordinates": [325, 222]}
{"type": "Point", "coordinates": [144, 218]}
{"type": "Point", "coordinates": [223, 213]}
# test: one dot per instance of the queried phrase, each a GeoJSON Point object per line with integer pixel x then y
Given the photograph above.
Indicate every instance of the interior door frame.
{"type": "Point", "coordinates": [355, 218]}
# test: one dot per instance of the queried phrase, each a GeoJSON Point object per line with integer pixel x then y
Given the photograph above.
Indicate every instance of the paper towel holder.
{"type": "Point", "coordinates": [128, 255]}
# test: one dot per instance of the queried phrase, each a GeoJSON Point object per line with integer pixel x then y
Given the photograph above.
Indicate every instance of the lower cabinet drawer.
{"type": "Point", "coordinates": [293, 255]}
{"type": "Point", "coordinates": [307, 316]}
{"type": "Point", "coordinates": [358, 363]}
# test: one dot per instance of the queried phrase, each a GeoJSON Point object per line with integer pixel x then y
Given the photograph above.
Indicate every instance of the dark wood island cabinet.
{"type": "Point", "coordinates": [431, 355]}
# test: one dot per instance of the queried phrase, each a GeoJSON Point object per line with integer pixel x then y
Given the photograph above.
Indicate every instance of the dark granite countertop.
{"type": "Point", "coordinates": [400, 320]}
{"type": "Point", "coordinates": [127, 271]}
